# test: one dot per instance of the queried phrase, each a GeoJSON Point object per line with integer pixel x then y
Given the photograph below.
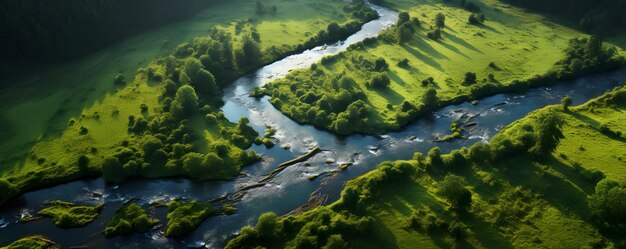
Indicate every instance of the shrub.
{"type": "Point", "coordinates": [379, 80]}
{"type": "Point", "coordinates": [453, 189]}
{"type": "Point", "coordinates": [440, 20]}
{"type": "Point", "coordinates": [470, 79]}
{"type": "Point", "coordinates": [608, 202]}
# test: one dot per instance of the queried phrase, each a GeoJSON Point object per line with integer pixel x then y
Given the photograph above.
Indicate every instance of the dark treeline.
{"type": "Point", "coordinates": [34, 30]}
{"type": "Point", "coordinates": [590, 14]}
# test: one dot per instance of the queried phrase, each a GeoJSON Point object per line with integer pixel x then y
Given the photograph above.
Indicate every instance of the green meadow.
{"type": "Point", "coordinates": [406, 71]}
{"type": "Point", "coordinates": [125, 116]}
{"type": "Point", "coordinates": [550, 180]}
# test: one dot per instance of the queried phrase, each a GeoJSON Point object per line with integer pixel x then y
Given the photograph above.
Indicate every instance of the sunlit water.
{"type": "Point", "coordinates": [291, 188]}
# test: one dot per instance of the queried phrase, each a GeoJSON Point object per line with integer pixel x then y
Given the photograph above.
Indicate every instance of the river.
{"type": "Point", "coordinates": [292, 187]}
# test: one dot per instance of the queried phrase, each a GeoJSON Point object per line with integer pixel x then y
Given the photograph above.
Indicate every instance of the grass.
{"type": "Point", "coordinates": [70, 215]}
{"type": "Point", "coordinates": [129, 218]}
{"type": "Point", "coordinates": [32, 242]}
{"type": "Point", "coordinates": [44, 148]}
{"type": "Point", "coordinates": [511, 45]}
{"type": "Point", "coordinates": [518, 200]}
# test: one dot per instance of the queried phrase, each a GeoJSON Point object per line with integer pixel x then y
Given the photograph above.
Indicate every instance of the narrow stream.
{"type": "Point", "coordinates": [291, 188]}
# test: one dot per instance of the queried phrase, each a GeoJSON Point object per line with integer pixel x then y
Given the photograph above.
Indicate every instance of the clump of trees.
{"type": "Point", "coordinates": [321, 228]}
{"type": "Point", "coordinates": [129, 218]}
{"type": "Point", "coordinates": [586, 55]}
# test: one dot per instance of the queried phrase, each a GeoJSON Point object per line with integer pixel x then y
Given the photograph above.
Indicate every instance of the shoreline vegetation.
{"type": "Point", "coordinates": [167, 117]}
{"type": "Point", "coordinates": [541, 174]}
{"type": "Point", "coordinates": [384, 83]}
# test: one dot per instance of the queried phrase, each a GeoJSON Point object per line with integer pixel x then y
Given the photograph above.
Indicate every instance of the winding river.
{"type": "Point", "coordinates": [292, 187]}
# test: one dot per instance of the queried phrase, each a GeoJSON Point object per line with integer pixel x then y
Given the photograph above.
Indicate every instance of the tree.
{"type": "Point", "coordinates": [267, 226]}
{"type": "Point", "coordinates": [440, 21]}
{"type": "Point", "coordinates": [566, 103]}
{"type": "Point", "coordinates": [453, 189]}
{"type": "Point", "coordinates": [403, 17]}
{"type": "Point", "coordinates": [430, 98]}
{"type": "Point", "coordinates": [609, 202]}
{"type": "Point", "coordinates": [470, 78]}
{"type": "Point", "coordinates": [185, 102]}
{"type": "Point", "coordinates": [259, 8]}
{"type": "Point", "coordinates": [194, 74]}
{"type": "Point", "coordinates": [7, 189]}
{"type": "Point", "coordinates": [548, 133]}
{"type": "Point", "coordinates": [112, 170]}
{"type": "Point", "coordinates": [249, 54]}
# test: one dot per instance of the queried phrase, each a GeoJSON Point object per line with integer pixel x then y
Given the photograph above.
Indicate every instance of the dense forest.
{"type": "Point", "coordinates": [590, 14]}
{"type": "Point", "coordinates": [44, 30]}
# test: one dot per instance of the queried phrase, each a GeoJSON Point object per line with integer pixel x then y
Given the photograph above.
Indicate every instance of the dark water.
{"type": "Point", "coordinates": [291, 188]}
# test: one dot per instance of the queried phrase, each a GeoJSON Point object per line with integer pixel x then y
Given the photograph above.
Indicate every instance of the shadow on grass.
{"type": "Point", "coordinates": [489, 28]}
{"type": "Point", "coordinates": [452, 48]}
{"type": "Point", "coordinates": [425, 58]}
{"type": "Point", "coordinates": [557, 191]}
{"type": "Point", "coordinates": [463, 43]}
{"type": "Point", "coordinates": [486, 234]}
{"type": "Point", "coordinates": [390, 95]}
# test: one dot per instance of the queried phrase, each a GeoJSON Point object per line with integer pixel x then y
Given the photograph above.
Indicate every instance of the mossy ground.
{"type": "Point", "coordinates": [183, 217]}
{"type": "Point", "coordinates": [32, 242]}
{"type": "Point", "coordinates": [517, 201]}
{"type": "Point", "coordinates": [69, 215]}
{"type": "Point", "coordinates": [100, 111]}
{"type": "Point", "coordinates": [511, 44]}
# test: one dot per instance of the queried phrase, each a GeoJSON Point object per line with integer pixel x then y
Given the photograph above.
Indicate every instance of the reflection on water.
{"type": "Point", "coordinates": [292, 187]}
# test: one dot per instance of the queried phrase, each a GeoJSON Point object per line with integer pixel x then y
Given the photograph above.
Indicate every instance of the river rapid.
{"type": "Point", "coordinates": [291, 187]}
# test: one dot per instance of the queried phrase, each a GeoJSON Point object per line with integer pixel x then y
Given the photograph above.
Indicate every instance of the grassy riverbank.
{"type": "Point", "coordinates": [417, 66]}
{"type": "Point", "coordinates": [164, 120]}
{"type": "Point", "coordinates": [550, 180]}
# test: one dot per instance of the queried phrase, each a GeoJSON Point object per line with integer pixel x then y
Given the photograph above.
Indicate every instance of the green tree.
{"type": "Point", "coordinates": [548, 133]}
{"type": "Point", "coordinates": [440, 21]}
{"type": "Point", "coordinates": [185, 103]}
{"type": "Point", "coordinates": [453, 189]}
{"type": "Point", "coordinates": [566, 103]}
{"type": "Point", "coordinates": [609, 202]}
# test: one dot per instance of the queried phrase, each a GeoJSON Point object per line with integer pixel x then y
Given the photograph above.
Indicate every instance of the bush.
{"type": "Point", "coordinates": [379, 80]}
{"type": "Point", "coordinates": [434, 35]}
{"type": "Point", "coordinates": [440, 21]}
{"type": "Point", "coordinates": [129, 218]}
{"type": "Point", "coordinates": [185, 103]}
{"type": "Point", "coordinates": [453, 189]}
{"type": "Point", "coordinates": [470, 79]}
{"type": "Point", "coordinates": [608, 202]}
{"type": "Point", "coordinates": [475, 19]}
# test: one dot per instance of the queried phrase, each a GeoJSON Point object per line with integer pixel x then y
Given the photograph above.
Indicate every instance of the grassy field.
{"type": "Point", "coordinates": [88, 117]}
{"type": "Point", "coordinates": [510, 45]}
{"type": "Point", "coordinates": [517, 198]}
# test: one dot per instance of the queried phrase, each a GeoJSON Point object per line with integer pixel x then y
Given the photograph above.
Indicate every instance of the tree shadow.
{"type": "Point", "coordinates": [394, 77]}
{"type": "Point", "coordinates": [560, 193]}
{"type": "Point", "coordinates": [427, 48]}
{"type": "Point", "coordinates": [390, 95]}
{"type": "Point", "coordinates": [463, 43]}
{"type": "Point", "coordinates": [486, 234]}
{"type": "Point", "coordinates": [426, 59]}
{"type": "Point", "coordinates": [489, 28]}
{"type": "Point", "coordinates": [584, 119]}
{"type": "Point", "coordinates": [453, 49]}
